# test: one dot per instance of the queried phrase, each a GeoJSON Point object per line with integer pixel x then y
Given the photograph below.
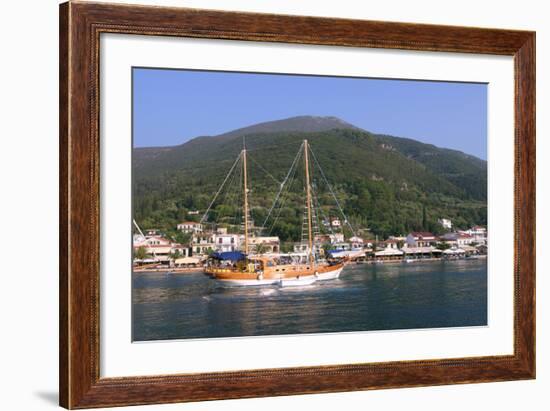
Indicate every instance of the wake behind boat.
{"type": "Point", "coordinates": [298, 281]}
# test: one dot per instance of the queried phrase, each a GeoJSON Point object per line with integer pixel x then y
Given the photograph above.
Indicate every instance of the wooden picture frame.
{"type": "Point", "coordinates": [80, 27]}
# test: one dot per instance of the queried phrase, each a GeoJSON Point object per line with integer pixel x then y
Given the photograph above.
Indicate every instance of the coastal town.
{"type": "Point", "coordinates": [305, 224]}
{"type": "Point", "coordinates": [155, 250]}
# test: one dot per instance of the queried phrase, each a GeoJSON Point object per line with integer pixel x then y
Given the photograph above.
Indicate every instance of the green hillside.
{"type": "Point", "coordinates": [387, 184]}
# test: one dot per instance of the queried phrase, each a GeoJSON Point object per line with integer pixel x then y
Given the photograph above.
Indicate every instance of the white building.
{"type": "Point", "coordinates": [266, 244]}
{"type": "Point", "coordinates": [479, 233]}
{"type": "Point", "coordinates": [336, 238]}
{"type": "Point", "coordinates": [190, 227]}
{"type": "Point", "coordinates": [420, 239]}
{"type": "Point", "coordinates": [458, 239]}
{"type": "Point", "coordinates": [445, 223]}
{"type": "Point", "coordinates": [154, 241]}
{"type": "Point", "coordinates": [356, 242]}
{"type": "Point", "coordinates": [304, 248]}
{"type": "Point", "coordinates": [158, 248]}
{"type": "Point", "coordinates": [226, 242]}
{"type": "Point", "coordinates": [388, 253]}
{"type": "Point", "coordinates": [391, 244]}
{"type": "Point", "coordinates": [463, 239]}
{"type": "Point", "coordinates": [202, 243]}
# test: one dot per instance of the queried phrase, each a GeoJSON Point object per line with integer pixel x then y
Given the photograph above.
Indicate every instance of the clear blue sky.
{"type": "Point", "coordinates": [173, 106]}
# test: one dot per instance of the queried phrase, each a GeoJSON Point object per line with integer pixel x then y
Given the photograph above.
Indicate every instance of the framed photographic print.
{"type": "Point", "coordinates": [259, 205]}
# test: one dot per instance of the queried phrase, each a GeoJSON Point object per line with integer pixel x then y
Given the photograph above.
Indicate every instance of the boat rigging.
{"type": "Point", "coordinates": [246, 268]}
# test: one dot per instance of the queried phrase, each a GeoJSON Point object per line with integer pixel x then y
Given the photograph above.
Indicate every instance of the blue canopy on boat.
{"type": "Point", "coordinates": [229, 256]}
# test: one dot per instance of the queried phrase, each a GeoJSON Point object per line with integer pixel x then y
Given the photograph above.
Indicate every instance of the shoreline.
{"type": "Point", "coordinates": [191, 270]}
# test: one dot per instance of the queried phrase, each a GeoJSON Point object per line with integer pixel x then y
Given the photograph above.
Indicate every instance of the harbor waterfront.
{"type": "Point", "coordinates": [366, 297]}
{"type": "Point", "coordinates": [279, 225]}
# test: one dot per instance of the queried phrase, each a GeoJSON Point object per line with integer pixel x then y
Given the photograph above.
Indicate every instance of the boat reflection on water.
{"type": "Point", "coordinates": [364, 298]}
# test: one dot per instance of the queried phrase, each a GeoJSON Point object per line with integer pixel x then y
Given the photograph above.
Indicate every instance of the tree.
{"type": "Point", "coordinates": [141, 253]}
{"type": "Point", "coordinates": [175, 255]}
{"type": "Point", "coordinates": [424, 218]}
{"type": "Point", "coordinates": [182, 238]}
{"type": "Point", "coordinates": [326, 248]}
{"type": "Point", "coordinates": [442, 246]}
{"type": "Point", "coordinates": [286, 247]}
{"type": "Point", "coordinates": [395, 188]}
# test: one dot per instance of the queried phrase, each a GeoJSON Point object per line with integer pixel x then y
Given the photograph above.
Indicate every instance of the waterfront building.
{"type": "Point", "coordinates": [342, 246]}
{"type": "Point", "coordinates": [322, 239]}
{"type": "Point", "coordinates": [458, 239]}
{"type": "Point", "coordinates": [264, 244]}
{"type": "Point", "coordinates": [182, 249]}
{"type": "Point", "coordinates": [190, 227]}
{"type": "Point", "coordinates": [227, 242]}
{"type": "Point", "coordinates": [450, 239]}
{"type": "Point", "coordinates": [469, 250]}
{"type": "Point", "coordinates": [160, 249]}
{"type": "Point", "coordinates": [421, 252]}
{"type": "Point", "coordinates": [188, 262]}
{"type": "Point", "coordinates": [356, 242]}
{"type": "Point", "coordinates": [454, 253]}
{"type": "Point", "coordinates": [202, 243]}
{"type": "Point", "coordinates": [420, 239]}
{"type": "Point", "coordinates": [336, 238]}
{"type": "Point", "coordinates": [388, 254]}
{"type": "Point", "coordinates": [479, 233]}
{"type": "Point", "coordinates": [303, 248]}
{"type": "Point", "coordinates": [463, 239]}
{"type": "Point", "coordinates": [392, 244]}
{"type": "Point", "coordinates": [155, 240]}
{"type": "Point", "coordinates": [138, 238]}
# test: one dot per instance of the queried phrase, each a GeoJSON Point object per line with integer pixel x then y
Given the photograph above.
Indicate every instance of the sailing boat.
{"type": "Point", "coordinates": [244, 269]}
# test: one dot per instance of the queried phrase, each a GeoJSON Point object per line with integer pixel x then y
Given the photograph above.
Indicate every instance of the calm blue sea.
{"type": "Point", "coordinates": [364, 298]}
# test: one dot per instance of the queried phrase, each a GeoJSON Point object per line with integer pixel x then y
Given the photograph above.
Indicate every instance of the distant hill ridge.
{"type": "Point", "coordinates": [364, 166]}
{"type": "Point", "coordinates": [305, 124]}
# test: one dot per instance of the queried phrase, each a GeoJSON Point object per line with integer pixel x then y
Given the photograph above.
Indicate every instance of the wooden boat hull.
{"type": "Point", "coordinates": [274, 275]}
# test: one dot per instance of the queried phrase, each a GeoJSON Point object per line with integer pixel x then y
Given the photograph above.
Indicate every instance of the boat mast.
{"type": "Point", "coordinates": [245, 203]}
{"type": "Point", "coordinates": [308, 201]}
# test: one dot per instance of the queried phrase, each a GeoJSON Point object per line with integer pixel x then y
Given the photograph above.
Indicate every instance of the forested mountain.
{"type": "Point", "coordinates": [389, 185]}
